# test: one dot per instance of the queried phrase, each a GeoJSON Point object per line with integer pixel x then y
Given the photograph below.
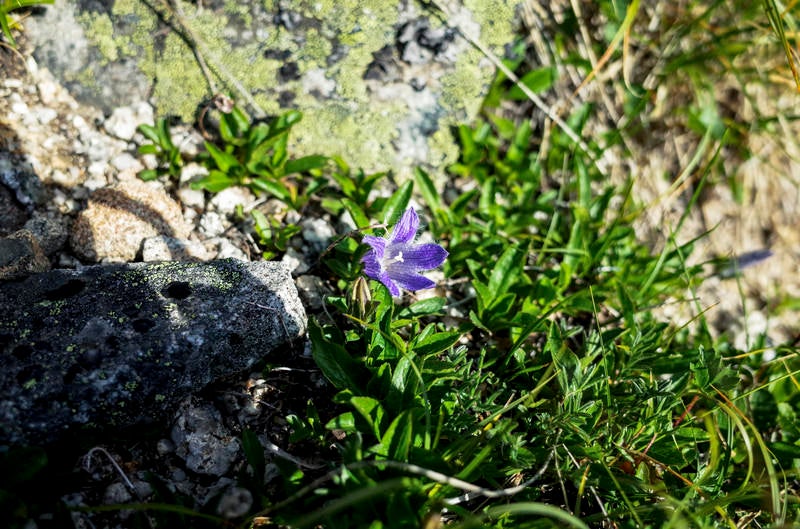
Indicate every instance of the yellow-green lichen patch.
{"type": "Point", "coordinates": [497, 19]}
{"type": "Point", "coordinates": [315, 51]}
{"type": "Point", "coordinates": [362, 135]}
{"type": "Point", "coordinates": [100, 31]}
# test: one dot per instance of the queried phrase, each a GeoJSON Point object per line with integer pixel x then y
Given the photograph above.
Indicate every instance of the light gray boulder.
{"type": "Point", "coordinates": [118, 346]}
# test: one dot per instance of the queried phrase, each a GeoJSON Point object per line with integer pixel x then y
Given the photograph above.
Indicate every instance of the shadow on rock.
{"type": "Point", "coordinates": [116, 347]}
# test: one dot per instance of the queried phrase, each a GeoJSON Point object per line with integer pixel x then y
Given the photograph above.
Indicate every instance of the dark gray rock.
{"type": "Point", "coordinates": [117, 346]}
{"type": "Point", "coordinates": [21, 255]}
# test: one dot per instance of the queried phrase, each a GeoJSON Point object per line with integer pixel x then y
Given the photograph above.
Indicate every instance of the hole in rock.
{"type": "Point", "coordinates": [177, 290]}
{"type": "Point", "coordinates": [22, 352]}
{"type": "Point", "coordinates": [27, 373]}
{"type": "Point", "coordinates": [143, 325]}
{"type": "Point", "coordinates": [67, 290]}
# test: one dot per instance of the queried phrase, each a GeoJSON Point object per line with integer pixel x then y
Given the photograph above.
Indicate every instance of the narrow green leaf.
{"type": "Point", "coordinates": [423, 307]}
{"type": "Point", "coordinates": [371, 410]}
{"type": "Point", "coordinates": [358, 215]}
{"type": "Point", "coordinates": [149, 132]}
{"type": "Point", "coordinates": [225, 161]}
{"type": "Point", "coordinates": [537, 81]}
{"type": "Point", "coordinates": [397, 204]}
{"type": "Point", "coordinates": [333, 360]}
{"type": "Point", "coordinates": [214, 182]}
{"type": "Point", "coordinates": [306, 163]}
{"type": "Point", "coordinates": [397, 439]}
{"type": "Point", "coordinates": [427, 189]}
{"type": "Point", "coordinates": [436, 343]}
{"type": "Point", "coordinates": [273, 187]}
{"type": "Point", "coordinates": [506, 270]}
{"type": "Point", "coordinates": [253, 452]}
{"type": "Point", "coordinates": [148, 174]}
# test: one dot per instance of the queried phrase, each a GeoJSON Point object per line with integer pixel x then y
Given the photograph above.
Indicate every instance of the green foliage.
{"type": "Point", "coordinates": [546, 388]}
{"type": "Point", "coordinates": [167, 154]}
{"type": "Point", "coordinates": [255, 156]}
{"type": "Point", "coordinates": [7, 6]}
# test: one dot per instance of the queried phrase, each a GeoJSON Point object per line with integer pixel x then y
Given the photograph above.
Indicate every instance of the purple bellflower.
{"type": "Point", "coordinates": [396, 261]}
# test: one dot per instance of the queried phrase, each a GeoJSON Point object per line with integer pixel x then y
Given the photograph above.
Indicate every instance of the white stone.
{"type": "Point", "coordinates": [226, 200]}
{"type": "Point", "coordinates": [212, 224]}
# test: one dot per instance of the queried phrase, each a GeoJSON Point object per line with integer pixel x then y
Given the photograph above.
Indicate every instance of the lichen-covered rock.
{"type": "Point", "coordinates": [118, 218]}
{"type": "Point", "coordinates": [380, 81]}
{"type": "Point", "coordinates": [114, 346]}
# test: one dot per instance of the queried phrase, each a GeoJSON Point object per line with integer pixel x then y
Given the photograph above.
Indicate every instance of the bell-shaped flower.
{"type": "Point", "coordinates": [396, 261]}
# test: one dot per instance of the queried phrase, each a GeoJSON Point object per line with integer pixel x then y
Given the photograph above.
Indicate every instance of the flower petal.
{"type": "Point", "coordinates": [372, 267]}
{"type": "Point", "coordinates": [378, 244]}
{"type": "Point", "coordinates": [421, 256]}
{"type": "Point", "coordinates": [411, 281]}
{"type": "Point", "coordinates": [406, 229]}
{"type": "Point", "coordinates": [388, 283]}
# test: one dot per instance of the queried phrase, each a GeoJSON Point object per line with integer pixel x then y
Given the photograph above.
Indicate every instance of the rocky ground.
{"type": "Point", "coordinates": [69, 197]}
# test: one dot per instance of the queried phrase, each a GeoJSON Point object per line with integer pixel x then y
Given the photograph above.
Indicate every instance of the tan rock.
{"type": "Point", "coordinates": [119, 217]}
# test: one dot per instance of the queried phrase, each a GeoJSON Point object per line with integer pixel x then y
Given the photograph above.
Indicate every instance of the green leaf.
{"type": "Point", "coordinates": [345, 422]}
{"type": "Point", "coordinates": [372, 411]}
{"type": "Point", "coordinates": [148, 148]}
{"type": "Point", "coordinates": [148, 174]}
{"type": "Point", "coordinates": [253, 452]}
{"type": "Point", "coordinates": [358, 215]}
{"type": "Point", "coordinates": [272, 187]}
{"type": "Point", "coordinates": [306, 163]}
{"type": "Point", "coordinates": [436, 343]}
{"type": "Point", "coordinates": [425, 307]}
{"type": "Point", "coordinates": [505, 271]}
{"type": "Point", "coordinates": [333, 360]}
{"type": "Point", "coordinates": [427, 189]}
{"type": "Point", "coordinates": [214, 182]}
{"type": "Point", "coordinates": [397, 204]}
{"type": "Point", "coordinates": [225, 161]}
{"type": "Point", "coordinates": [537, 81]}
{"type": "Point", "coordinates": [149, 132]}
{"type": "Point", "coordinates": [397, 439]}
